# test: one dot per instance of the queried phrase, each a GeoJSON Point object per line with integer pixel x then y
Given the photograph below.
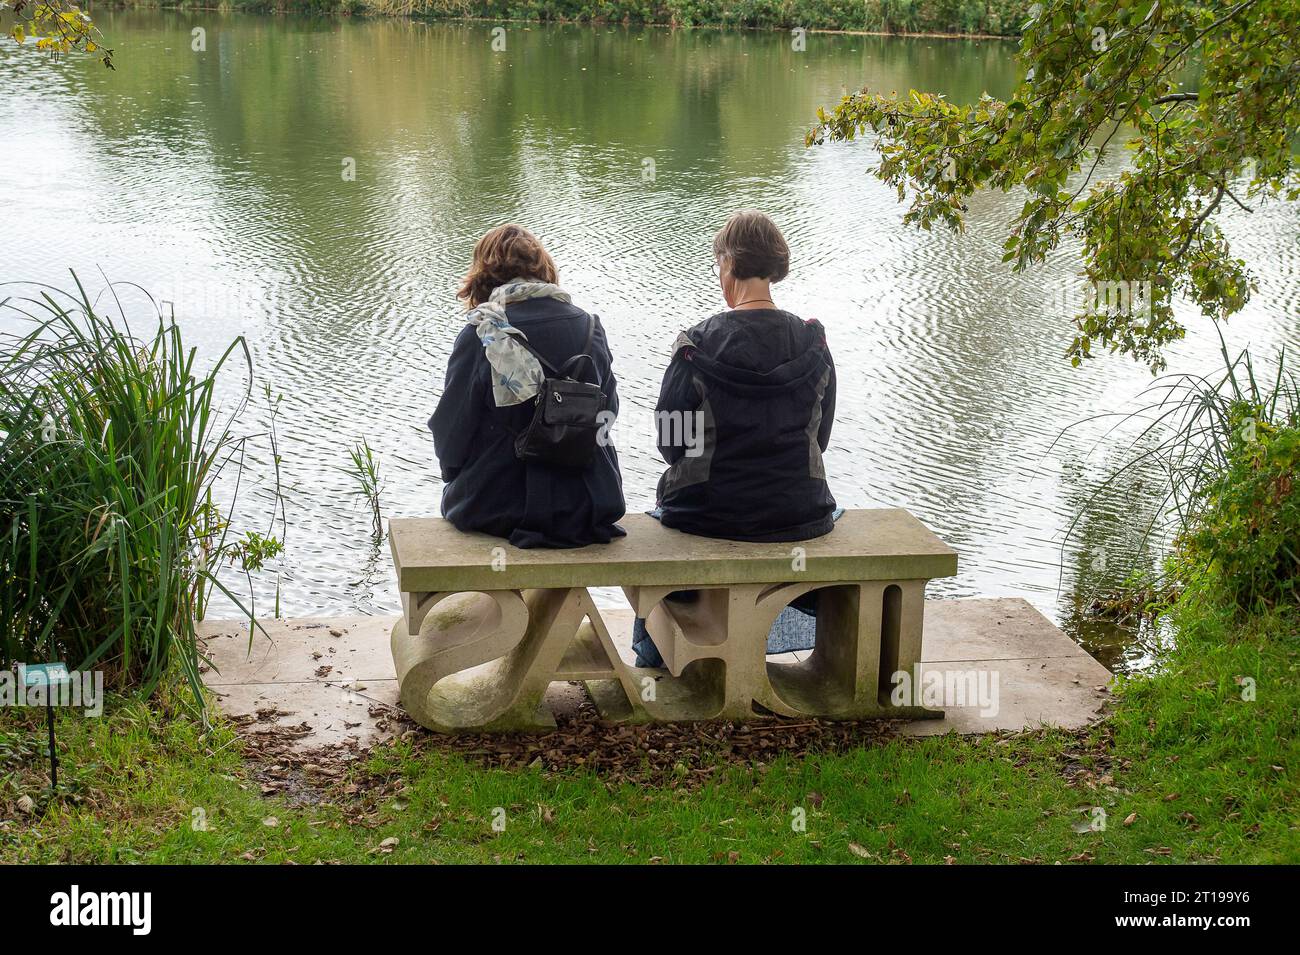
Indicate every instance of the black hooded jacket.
{"type": "Point", "coordinates": [487, 488]}
{"type": "Point", "coordinates": [759, 386]}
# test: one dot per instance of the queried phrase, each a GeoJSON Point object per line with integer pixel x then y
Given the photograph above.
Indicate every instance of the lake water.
{"type": "Point", "coordinates": [219, 180]}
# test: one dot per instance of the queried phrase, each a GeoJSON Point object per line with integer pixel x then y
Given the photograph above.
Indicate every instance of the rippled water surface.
{"type": "Point", "coordinates": [216, 180]}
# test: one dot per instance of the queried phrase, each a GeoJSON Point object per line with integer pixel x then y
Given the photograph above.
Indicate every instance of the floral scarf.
{"type": "Point", "coordinates": [516, 372]}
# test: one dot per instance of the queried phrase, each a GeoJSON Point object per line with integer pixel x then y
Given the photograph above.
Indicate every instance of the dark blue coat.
{"type": "Point", "coordinates": [487, 488]}
{"type": "Point", "coordinates": [760, 386]}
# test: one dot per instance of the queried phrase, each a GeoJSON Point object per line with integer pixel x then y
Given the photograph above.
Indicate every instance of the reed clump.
{"type": "Point", "coordinates": [111, 537]}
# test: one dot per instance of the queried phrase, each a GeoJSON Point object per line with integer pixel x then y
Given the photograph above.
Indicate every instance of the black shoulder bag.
{"type": "Point", "coordinates": [566, 413]}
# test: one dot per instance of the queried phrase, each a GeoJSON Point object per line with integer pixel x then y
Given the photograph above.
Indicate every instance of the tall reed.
{"type": "Point", "coordinates": [110, 534]}
{"type": "Point", "coordinates": [1225, 449]}
{"type": "Point", "coordinates": [364, 470]}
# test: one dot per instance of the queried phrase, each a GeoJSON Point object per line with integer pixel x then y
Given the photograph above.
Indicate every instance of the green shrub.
{"type": "Point", "coordinates": [1226, 451]}
{"type": "Point", "coordinates": [1245, 536]}
{"type": "Point", "coordinates": [109, 535]}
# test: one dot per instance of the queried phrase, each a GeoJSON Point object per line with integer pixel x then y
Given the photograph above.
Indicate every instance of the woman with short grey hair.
{"type": "Point", "coordinates": [760, 385]}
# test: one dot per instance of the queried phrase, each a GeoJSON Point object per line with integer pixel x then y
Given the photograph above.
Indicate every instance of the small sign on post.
{"type": "Point", "coordinates": [47, 677]}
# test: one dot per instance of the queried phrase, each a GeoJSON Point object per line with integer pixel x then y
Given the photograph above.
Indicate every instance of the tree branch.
{"type": "Point", "coordinates": [1236, 200]}
{"type": "Point", "coordinates": [1200, 221]}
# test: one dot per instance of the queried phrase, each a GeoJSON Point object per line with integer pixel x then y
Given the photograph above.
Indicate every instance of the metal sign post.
{"type": "Point", "coordinates": [48, 676]}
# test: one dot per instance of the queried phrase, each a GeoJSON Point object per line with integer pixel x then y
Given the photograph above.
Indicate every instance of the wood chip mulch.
{"type": "Point", "coordinates": [672, 755]}
{"type": "Point", "coordinates": [677, 755]}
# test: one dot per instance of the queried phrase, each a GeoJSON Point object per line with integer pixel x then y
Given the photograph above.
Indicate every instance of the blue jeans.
{"type": "Point", "coordinates": [795, 627]}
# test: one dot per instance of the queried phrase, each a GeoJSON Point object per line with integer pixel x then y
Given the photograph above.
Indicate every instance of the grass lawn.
{"type": "Point", "coordinates": [1185, 769]}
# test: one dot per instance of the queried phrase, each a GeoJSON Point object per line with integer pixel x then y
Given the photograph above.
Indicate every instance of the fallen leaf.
{"type": "Point", "coordinates": [387, 846]}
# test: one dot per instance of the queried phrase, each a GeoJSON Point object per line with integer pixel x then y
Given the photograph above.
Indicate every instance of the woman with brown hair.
{"type": "Point", "coordinates": [519, 320]}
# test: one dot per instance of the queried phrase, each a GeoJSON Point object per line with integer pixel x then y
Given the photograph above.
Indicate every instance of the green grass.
{"type": "Point", "coordinates": [1209, 777]}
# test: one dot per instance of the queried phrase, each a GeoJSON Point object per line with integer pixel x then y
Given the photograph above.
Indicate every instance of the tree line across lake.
{"type": "Point", "coordinates": [969, 17]}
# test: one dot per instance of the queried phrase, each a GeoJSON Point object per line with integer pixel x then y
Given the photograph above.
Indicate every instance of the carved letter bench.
{"type": "Point", "coordinates": [487, 627]}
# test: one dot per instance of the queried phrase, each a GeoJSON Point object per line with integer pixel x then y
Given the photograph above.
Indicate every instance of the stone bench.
{"type": "Point", "coordinates": [487, 627]}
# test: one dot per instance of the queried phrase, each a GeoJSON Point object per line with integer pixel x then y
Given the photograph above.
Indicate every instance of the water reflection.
{"type": "Point", "coordinates": [218, 180]}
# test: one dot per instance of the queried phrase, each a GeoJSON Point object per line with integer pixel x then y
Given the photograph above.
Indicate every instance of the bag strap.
{"type": "Point", "coordinates": [585, 353]}
{"type": "Point", "coordinates": [527, 346]}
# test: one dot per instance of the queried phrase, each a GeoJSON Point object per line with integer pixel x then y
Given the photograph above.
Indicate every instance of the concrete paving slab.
{"type": "Point", "coordinates": [330, 672]}
{"type": "Point", "coordinates": [998, 628]}
{"type": "Point", "coordinates": [332, 713]}
{"type": "Point", "coordinates": [327, 650]}
{"type": "Point", "coordinates": [1066, 692]}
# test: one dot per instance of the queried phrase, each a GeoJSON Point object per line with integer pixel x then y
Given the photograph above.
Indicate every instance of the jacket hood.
{"type": "Point", "coordinates": [749, 367]}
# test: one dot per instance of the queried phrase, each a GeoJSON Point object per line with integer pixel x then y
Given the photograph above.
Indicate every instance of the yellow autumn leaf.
{"type": "Point", "coordinates": [90, 46]}
{"type": "Point", "coordinates": [19, 34]}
